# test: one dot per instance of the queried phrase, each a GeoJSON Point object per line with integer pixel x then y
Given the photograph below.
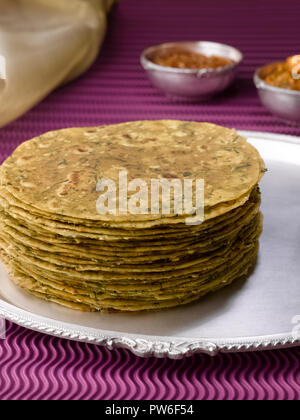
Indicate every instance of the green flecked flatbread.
{"type": "Point", "coordinates": [212, 234]}
{"type": "Point", "coordinates": [73, 298]}
{"type": "Point", "coordinates": [56, 245]}
{"type": "Point", "coordinates": [77, 158]}
{"type": "Point", "coordinates": [142, 273]}
{"type": "Point", "coordinates": [148, 285]}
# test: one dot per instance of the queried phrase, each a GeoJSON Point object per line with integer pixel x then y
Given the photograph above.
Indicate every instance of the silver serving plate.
{"type": "Point", "coordinates": [260, 313]}
{"type": "Point", "coordinates": [284, 103]}
{"type": "Point", "coordinates": [191, 84]}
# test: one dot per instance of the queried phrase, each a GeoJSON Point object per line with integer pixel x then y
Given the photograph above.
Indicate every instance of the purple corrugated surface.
{"type": "Point", "coordinates": [36, 366]}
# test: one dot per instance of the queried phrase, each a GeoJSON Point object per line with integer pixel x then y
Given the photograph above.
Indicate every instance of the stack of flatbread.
{"type": "Point", "coordinates": [59, 244]}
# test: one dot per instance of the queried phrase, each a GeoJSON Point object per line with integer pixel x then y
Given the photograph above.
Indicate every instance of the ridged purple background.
{"type": "Point", "coordinates": [36, 366]}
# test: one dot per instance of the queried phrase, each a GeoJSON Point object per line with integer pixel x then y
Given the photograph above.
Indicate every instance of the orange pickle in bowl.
{"type": "Point", "coordinates": [191, 71]}
{"type": "Point", "coordinates": [285, 75]}
{"type": "Point", "coordinates": [189, 60]}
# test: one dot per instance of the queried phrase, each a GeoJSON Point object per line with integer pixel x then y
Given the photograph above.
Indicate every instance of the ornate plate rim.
{"type": "Point", "coordinates": [146, 346]}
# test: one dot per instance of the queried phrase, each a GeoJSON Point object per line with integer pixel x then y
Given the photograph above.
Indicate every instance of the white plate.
{"type": "Point", "coordinates": [263, 312]}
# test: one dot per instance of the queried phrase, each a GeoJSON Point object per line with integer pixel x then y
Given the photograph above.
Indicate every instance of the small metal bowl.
{"type": "Point", "coordinates": [191, 84]}
{"type": "Point", "coordinates": [284, 103]}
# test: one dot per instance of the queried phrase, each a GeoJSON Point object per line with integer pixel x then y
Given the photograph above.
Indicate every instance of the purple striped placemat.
{"type": "Point", "coordinates": [36, 366]}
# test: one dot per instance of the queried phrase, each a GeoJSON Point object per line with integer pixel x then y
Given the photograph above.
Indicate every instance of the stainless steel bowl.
{"type": "Point", "coordinates": [284, 103]}
{"type": "Point", "coordinates": [191, 84]}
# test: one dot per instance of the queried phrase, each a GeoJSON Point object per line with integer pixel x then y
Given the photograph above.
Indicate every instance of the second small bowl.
{"type": "Point", "coordinates": [192, 84]}
{"type": "Point", "coordinates": [284, 103]}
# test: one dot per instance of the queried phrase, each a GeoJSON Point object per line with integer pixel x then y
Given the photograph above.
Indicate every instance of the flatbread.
{"type": "Point", "coordinates": [57, 246]}
{"type": "Point", "coordinates": [76, 159]}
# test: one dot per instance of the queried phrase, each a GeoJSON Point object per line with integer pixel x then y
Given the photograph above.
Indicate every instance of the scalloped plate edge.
{"type": "Point", "coordinates": [145, 346]}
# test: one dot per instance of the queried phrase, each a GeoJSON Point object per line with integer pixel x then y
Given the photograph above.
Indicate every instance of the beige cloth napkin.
{"type": "Point", "coordinates": [43, 44]}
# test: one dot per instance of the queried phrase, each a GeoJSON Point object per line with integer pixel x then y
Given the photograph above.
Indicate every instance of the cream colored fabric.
{"type": "Point", "coordinates": [43, 44]}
